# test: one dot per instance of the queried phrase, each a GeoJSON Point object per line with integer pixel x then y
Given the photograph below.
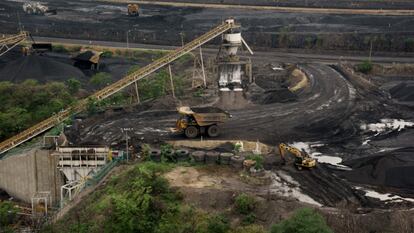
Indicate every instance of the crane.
{"type": "Point", "coordinates": [302, 159]}
{"type": "Point", "coordinates": [115, 87]}
{"type": "Point", "coordinates": [9, 42]}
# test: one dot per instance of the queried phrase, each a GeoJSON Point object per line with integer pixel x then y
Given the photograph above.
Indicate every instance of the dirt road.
{"type": "Point", "coordinates": [273, 54]}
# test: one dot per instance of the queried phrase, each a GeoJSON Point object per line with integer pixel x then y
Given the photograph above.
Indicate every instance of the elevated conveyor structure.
{"type": "Point", "coordinates": [9, 42]}
{"type": "Point", "coordinates": [115, 87]}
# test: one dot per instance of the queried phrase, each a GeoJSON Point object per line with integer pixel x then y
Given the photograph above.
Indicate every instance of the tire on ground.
{"type": "Point", "coordinates": [155, 155]}
{"type": "Point", "coordinates": [182, 155]}
{"type": "Point", "coordinates": [198, 156]}
{"type": "Point", "coordinates": [225, 158]}
{"type": "Point", "coordinates": [237, 161]}
{"type": "Point", "coordinates": [170, 155]}
{"type": "Point", "coordinates": [212, 157]}
{"type": "Point", "coordinates": [191, 131]}
{"type": "Point", "coordinates": [213, 131]}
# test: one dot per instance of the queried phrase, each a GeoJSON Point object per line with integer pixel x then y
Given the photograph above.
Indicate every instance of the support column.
{"type": "Point", "coordinates": [202, 67]}
{"type": "Point", "coordinates": [171, 80]}
{"type": "Point", "coordinates": [136, 91]}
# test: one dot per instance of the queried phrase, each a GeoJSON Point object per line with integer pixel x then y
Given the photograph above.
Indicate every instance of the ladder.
{"type": "Point", "coordinates": [9, 42]}
{"type": "Point", "coordinates": [115, 87]}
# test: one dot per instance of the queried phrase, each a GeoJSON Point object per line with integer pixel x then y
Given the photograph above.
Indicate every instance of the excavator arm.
{"type": "Point", "coordinates": [302, 159]}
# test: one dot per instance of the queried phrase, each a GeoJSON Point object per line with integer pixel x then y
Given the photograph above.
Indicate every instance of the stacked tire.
{"type": "Point", "coordinates": [225, 158]}
{"type": "Point", "coordinates": [237, 161]}
{"type": "Point", "coordinates": [155, 155]}
{"type": "Point", "coordinates": [212, 157]}
{"type": "Point", "coordinates": [198, 157]}
{"type": "Point", "coordinates": [182, 155]}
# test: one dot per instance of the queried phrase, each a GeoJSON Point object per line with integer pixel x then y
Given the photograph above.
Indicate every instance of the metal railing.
{"type": "Point", "coordinates": [115, 87]}
{"type": "Point", "coordinates": [9, 42]}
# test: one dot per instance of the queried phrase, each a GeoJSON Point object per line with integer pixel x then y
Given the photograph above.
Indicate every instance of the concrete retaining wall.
{"type": "Point", "coordinates": [21, 176]}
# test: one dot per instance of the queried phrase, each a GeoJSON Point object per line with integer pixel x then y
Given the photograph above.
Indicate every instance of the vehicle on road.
{"type": "Point", "coordinates": [196, 121]}
{"type": "Point", "coordinates": [37, 8]}
{"type": "Point", "coordinates": [133, 10]}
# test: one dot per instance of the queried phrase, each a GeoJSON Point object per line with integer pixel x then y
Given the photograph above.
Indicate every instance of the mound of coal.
{"type": "Point", "coordinates": [207, 110]}
{"type": "Point", "coordinates": [40, 68]}
{"type": "Point", "coordinates": [393, 169]}
{"type": "Point", "coordinates": [403, 91]}
{"type": "Point", "coordinates": [278, 96]}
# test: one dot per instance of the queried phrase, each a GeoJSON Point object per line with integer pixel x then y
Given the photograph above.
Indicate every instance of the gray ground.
{"type": "Point", "coordinates": [162, 25]}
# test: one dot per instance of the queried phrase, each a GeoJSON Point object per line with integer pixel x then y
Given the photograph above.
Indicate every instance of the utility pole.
{"type": "Point", "coordinates": [127, 38]}
{"type": "Point", "coordinates": [171, 80]}
{"type": "Point", "coordinates": [182, 38]}
{"type": "Point", "coordinates": [370, 52]}
{"type": "Point", "coordinates": [202, 68]}
{"type": "Point", "coordinates": [136, 91]}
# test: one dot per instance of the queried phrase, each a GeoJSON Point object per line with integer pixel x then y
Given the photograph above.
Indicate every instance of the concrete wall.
{"type": "Point", "coordinates": [22, 175]}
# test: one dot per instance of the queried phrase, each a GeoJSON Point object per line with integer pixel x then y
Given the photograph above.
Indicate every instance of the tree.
{"type": "Point", "coordinates": [304, 220]}
{"type": "Point", "coordinates": [7, 213]}
{"type": "Point", "coordinates": [73, 85]}
{"type": "Point", "coordinates": [100, 80]}
{"type": "Point", "coordinates": [245, 203]}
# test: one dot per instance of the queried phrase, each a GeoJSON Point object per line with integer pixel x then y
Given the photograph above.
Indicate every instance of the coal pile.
{"type": "Point", "coordinates": [403, 91]}
{"type": "Point", "coordinates": [391, 169]}
{"type": "Point", "coordinates": [39, 68]}
{"type": "Point", "coordinates": [282, 95]}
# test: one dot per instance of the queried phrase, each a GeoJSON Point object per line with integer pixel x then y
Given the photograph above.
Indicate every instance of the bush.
{"type": "Point", "coordinates": [100, 80]}
{"type": "Point", "coordinates": [304, 220]}
{"type": "Point", "coordinates": [7, 213]}
{"type": "Point", "coordinates": [73, 85]}
{"type": "Point", "coordinates": [74, 49]}
{"type": "Point", "coordinates": [249, 219]}
{"type": "Point", "coordinates": [245, 203]}
{"type": "Point", "coordinates": [107, 53]}
{"type": "Point", "coordinates": [365, 67]}
{"type": "Point", "coordinates": [218, 224]}
{"type": "Point", "coordinates": [258, 159]}
{"type": "Point", "coordinates": [249, 229]}
{"type": "Point", "coordinates": [59, 49]}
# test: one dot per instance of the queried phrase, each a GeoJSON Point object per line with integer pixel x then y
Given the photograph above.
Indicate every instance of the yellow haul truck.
{"type": "Point", "coordinates": [196, 121]}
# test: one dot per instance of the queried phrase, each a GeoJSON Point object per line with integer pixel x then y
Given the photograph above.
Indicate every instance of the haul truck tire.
{"type": "Point", "coordinates": [191, 132]}
{"type": "Point", "coordinates": [213, 131]}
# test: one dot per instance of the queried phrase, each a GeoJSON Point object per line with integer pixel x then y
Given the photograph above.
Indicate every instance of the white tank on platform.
{"type": "Point", "coordinates": [232, 41]}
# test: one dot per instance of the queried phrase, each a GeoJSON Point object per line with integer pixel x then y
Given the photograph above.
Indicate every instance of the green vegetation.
{"type": "Point", "coordinates": [159, 85]}
{"type": "Point", "coordinates": [73, 85]}
{"type": "Point", "coordinates": [139, 200]}
{"type": "Point", "coordinates": [100, 80]}
{"type": "Point", "coordinates": [304, 220]}
{"type": "Point", "coordinates": [74, 49]}
{"type": "Point", "coordinates": [107, 53]}
{"type": "Point", "coordinates": [59, 49]}
{"type": "Point", "coordinates": [365, 67]}
{"type": "Point", "coordinates": [30, 102]}
{"type": "Point", "coordinates": [258, 159]}
{"type": "Point", "coordinates": [7, 216]}
{"type": "Point", "coordinates": [218, 224]}
{"type": "Point", "coordinates": [244, 203]}
{"type": "Point", "coordinates": [409, 45]}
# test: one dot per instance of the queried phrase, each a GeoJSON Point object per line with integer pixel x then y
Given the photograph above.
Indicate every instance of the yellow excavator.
{"type": "Point", "coordinates": [302, 159]}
